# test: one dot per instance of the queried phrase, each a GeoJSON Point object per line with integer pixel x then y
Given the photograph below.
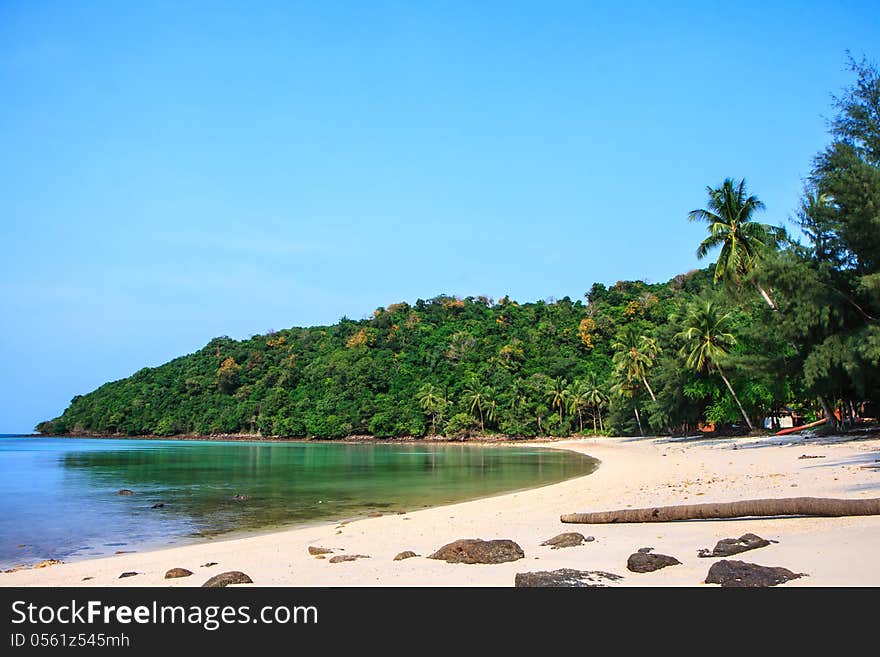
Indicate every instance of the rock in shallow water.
{"type": "Point", "coordinates": [742, 574]}
{"type": "Point", "coordinates": [565, 577]}
{"type": "Point", "coordinates": [125, 491]}
{"type": "Point", "coordinates": [645, 562]}
{"type": "Point", "coordinates": [569, 539]}
{"type": "Point", "coordinates": [475, 550]}
{"type": "Point", "coordinates": [727, 547]}
{"type": "Point", "coordinates": [227, 578]}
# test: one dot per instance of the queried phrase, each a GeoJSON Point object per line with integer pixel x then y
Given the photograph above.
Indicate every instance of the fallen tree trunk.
{"type": "Point", "coordinates": [785, 432]}
{"type": "Point", "coordinates": [788, 506]}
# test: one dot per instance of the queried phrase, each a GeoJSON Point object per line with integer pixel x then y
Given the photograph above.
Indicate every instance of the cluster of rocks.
{"type": "Point", "coordinates": [726, 573]}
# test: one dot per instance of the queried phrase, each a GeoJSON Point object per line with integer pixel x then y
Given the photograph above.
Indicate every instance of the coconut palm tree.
{"type": "Point", "coordinates": [432, 403]}
{"type": "Point", "coordinates": [557, 395]}
{"type": "Point", "coordinates": [708, 343]}
{"type": "Point", "coordinates": [596, 398]}
{"type": "Point", "coordinates": [518, 399]}
{"type": "Point", "coordinates": [479, 398]}
{"type": "Point", "coordinates": [578, 402]}
{"type": "Point", "coordinates": [491, 409]}
{"type": "Point", "coordinates": [634, 356]}
{"type": "Point", "coordinates": [728, 215]}
{"type": "Point", "coordinates": [622, 386]}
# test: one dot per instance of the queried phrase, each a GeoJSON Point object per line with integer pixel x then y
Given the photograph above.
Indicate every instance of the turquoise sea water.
{"type": "Point", "coordinates": [59, 496]}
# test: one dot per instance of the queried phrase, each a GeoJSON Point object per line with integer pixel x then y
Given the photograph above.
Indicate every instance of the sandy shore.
{"type": "Point", "coordinates": [833, 551]}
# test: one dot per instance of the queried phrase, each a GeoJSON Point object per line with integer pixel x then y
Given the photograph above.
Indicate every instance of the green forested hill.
{"type": "Point", "coordinates": [499, 359]}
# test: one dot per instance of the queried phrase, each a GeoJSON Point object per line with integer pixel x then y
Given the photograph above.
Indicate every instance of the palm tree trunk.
{"type": "Point", "coordinates": [580, 420]}
{"type": "Point", "coordinates": [648, 386]}
{"type": "Point", "coordinates": [482, 426]}
{"type": "Point", "coordinates": [601, 426]}
{"type": "Point", "coordinates": [639, 420]}
{"type": "Point", "coordinates": [767, 297]}
{"type": "Point", "coordinates": [594, 421]}
{"type": "Point", "coordinates": [736, 399]}
{"type": "Point", "coordinates": [786, 506]}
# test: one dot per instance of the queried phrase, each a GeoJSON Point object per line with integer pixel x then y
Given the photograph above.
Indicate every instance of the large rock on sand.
{"type": "Point", "coordinates": [565, 577]}
{"type": "Point", "coordinates": [727, 547]}
{"type": "Point", "coordinates": [227, 578]}
{"type": "Point", "coordinates": [645, 562]}
{"type": "Point", "coordinates": [315, 550]}
{"type": "Point", "coordinates": [475, 550]}
{"type": "Point", "coordinates": [742, 574]}
{"type": "Point", "coordinates": [406, 554]}
{"type": "Point", "coordinates": [569, 539]}
{"type": "Point", "coordinates": [174, 573]}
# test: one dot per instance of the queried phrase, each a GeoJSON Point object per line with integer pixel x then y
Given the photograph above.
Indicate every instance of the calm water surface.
{"type": "Point", "coordinates": [58, 496]}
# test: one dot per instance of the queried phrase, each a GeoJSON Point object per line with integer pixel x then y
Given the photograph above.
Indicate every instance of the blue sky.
{"type": "Point", "coordinates": [182, 170]}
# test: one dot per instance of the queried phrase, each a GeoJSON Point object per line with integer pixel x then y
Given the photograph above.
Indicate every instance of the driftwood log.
{"type": "Point", "coordinates": [788, 506]}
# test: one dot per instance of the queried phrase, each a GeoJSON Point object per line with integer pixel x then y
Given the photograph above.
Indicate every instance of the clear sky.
{"type": "Point", "coordinates": [174, 171]}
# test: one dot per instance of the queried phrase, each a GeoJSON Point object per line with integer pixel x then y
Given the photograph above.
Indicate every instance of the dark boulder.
{"type": "Point", "coordinates": [645, 562]}
{"type": "Point", "coordinates": [227, 578]}
{"type": "Point", "coordinates": [129, 573]}
{"type": "Point", "coordinates": [727, 547]}
{"type": "Point", "coordinates": [741, 574]}
{"type": "Point", "coordinates": [569, 539]}
{"type": "Point", "coordinates": [160, 505]}
{"type": "Point", "coordinates": [565, 577]}
{"type": "Point", "coordinates": [177, 572]}
{"type": "Point", "coordinates": [474, 550]}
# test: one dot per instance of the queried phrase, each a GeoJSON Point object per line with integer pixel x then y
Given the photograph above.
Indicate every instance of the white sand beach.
{"type": "Point", "coordinates": [633, 473]}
